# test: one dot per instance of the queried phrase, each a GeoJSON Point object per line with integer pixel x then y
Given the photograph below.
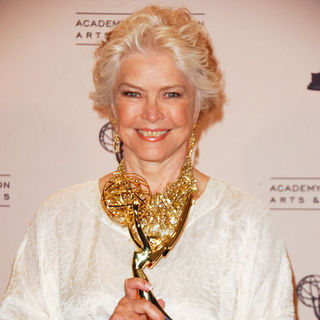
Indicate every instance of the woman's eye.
{"type": "Point", "coordinates": [173, 94]}
{"type": "Point", "coordinates": [131, 94]}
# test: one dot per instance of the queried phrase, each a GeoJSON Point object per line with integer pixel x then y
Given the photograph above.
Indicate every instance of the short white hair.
{"type": "Point", "coordinates": [164, 30]}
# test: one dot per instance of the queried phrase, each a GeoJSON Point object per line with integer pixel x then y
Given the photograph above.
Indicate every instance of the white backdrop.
{"type": "Point", "coordinates": [267, 141]}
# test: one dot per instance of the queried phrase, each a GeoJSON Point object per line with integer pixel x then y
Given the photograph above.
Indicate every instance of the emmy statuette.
{"type": "Point", "coordinates": [155, 221]}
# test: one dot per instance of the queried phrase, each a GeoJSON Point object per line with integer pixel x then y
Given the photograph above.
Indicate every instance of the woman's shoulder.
{"type": "Point", "coordinates": [71, 199]}
{"type": "Point", "coordinates": [74, 191]}
{"type": "Point", "coordinates": [238, 210]}
{"type": "Point", "coordinates": [232, 200]}
{"type": "Point", "coordinates": [216, 192]}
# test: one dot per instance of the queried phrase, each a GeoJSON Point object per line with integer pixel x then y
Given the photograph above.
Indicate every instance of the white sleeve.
{"type": "Point", "coordinates": [32, 292]}
{"type": "Point", "coordinates": [267, 283]}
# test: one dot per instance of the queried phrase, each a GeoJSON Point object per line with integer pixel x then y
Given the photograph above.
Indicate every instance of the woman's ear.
{"type": "Point", "coordinates": [197, 107]}
{"type": "Point", "coordinates": [112, 111]}
{"type": "Point", "coordinates": [196, 113]}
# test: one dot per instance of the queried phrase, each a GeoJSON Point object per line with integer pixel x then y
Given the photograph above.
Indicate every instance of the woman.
{"type": "Point", "coordinates": [157, 74]}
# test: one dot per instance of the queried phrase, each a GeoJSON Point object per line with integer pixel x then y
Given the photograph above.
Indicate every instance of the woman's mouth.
{"type": "Point", "coordinates": [152, 135]}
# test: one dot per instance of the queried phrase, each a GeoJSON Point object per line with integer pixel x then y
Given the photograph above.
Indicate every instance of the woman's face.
{"type": "Point", "coordinates": [154, 105]}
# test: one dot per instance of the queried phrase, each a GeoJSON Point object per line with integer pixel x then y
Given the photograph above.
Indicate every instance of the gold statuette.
{"type": "Point", "coordinates": [155, 221]}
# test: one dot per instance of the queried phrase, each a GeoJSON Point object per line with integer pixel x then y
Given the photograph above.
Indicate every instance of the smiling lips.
{"type": "Point", "coordinates": [152, 135]}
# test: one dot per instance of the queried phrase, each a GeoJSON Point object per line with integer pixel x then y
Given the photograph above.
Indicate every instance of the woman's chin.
{"type": "Point", "coordinates": [152, 157]}
{"type": "Point", "coordinates": [147, 154]}
{"type": "Point", "coordinates": [156, 152]}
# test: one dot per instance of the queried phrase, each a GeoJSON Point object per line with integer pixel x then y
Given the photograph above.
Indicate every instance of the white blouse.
{"type": "Point", "coordinates": [228, 264]}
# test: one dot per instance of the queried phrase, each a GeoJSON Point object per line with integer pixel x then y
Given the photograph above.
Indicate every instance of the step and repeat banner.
{"type": "Point", "coordinates": [267, 142]}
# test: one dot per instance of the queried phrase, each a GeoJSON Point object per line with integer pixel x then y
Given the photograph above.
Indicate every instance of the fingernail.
{"type": "Point", "coordinates": [148, 286]}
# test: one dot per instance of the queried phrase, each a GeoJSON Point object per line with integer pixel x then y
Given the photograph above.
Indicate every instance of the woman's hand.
{"type": "Point", "coordinates": [132, 307]}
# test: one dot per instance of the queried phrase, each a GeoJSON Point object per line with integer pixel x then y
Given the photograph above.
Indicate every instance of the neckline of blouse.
{"type": "Point", "coordinates": [202, 205]}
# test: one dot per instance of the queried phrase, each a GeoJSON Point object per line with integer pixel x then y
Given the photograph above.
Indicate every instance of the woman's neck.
{"type": "Point", "coordinates": [158, 174]}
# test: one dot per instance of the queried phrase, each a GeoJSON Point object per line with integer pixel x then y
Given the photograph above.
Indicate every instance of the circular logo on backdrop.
{"type": "Point", "coordinates": [105, 137]}
{"type": "Point", "coordinates": [106, 140]}
{"type": "Point", "coordinates": [308, 291]}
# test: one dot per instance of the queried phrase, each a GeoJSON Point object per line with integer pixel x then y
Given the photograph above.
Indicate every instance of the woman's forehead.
{"type": "Point", "coordinates": [146, 68]}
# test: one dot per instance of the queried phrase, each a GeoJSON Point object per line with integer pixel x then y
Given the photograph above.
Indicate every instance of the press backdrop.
{"type": "Point", "coordinates": [267, 142]}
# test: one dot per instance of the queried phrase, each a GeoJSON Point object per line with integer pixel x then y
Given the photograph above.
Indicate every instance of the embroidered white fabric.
{"type": "Point", "coordinates": [228, 264]}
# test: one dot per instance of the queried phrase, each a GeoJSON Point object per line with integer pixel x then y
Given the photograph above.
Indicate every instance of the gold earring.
{"type": "Point", "coordinates": [192, 141]}
{"type": "Point", "coordinates": [116, 138]}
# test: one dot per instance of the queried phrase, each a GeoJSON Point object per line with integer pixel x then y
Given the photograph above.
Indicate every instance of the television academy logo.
{"type": "Point", "coordinates": [91, 27]}
{"type": "Point", "coordinates": [294, 193]}
{"type": "Point", "coordinates": [5, 190]}
{"type": "Point", "coordinates": [308, 292]}
{"type": "Point", "coordinates": [106, 140]}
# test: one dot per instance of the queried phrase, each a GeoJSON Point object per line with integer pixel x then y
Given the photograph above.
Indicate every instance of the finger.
{"type": "Point", "coordinates": [144, 307]}
{"type": "Point", "coordinates": [122, 314]}
{"type": "Point", "coordinates": [132, 285]}
{"type": "Point", "coordinates": [136, 309]}
{"type": "Point", "coordinates": [162, 303]}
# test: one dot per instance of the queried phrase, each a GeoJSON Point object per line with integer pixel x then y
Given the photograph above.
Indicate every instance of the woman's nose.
{"type": "Point", "coordinates": [151, 111]}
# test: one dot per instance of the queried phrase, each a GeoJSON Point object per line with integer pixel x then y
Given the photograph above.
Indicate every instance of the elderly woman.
{"type": "Point", "coordinates": [156, 73]}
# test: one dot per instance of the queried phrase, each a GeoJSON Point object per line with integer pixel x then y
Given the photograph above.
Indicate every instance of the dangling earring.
{"type": "Point", "coordinates": [116, 138]}
{"type": "Point", "coordinates": [192, 141]}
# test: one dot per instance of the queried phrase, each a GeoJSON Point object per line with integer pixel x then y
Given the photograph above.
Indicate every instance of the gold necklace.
{"type": "Point", "coordinates": [160, 214]}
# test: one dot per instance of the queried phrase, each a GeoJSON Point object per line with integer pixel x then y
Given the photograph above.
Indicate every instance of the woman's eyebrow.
{"type": "Point", "coordinates": [175, 86]}
{"type": "Point", "coordinates": [167, 87]}
{"type": "Point", "coordinates": [129, 85]}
